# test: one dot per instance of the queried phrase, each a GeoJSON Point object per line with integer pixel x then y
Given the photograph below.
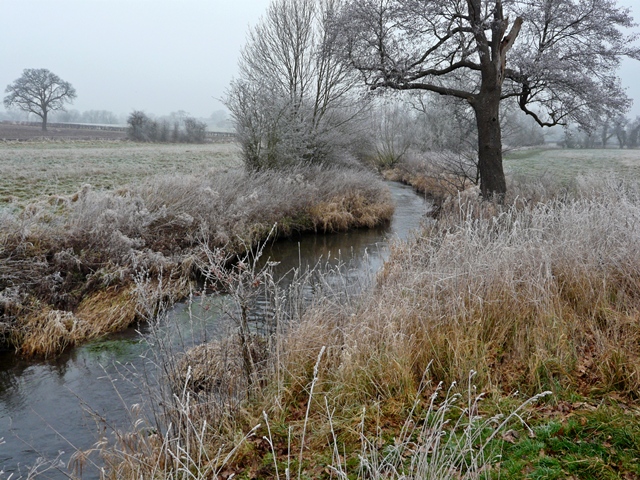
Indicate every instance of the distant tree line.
{"type": "Point", "coordinates": [617, 131]}
{"type": "Point", "coordinates": [99, 117]}
{"type": "Point", "coordinates": [142, 128]}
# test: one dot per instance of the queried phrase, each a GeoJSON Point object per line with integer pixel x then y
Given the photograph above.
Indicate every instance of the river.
{"type": "Point", "coordinates": [49, 409]}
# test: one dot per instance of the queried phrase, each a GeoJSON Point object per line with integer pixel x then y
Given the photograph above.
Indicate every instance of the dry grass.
{"type": "Point", "coordinates": [536, 173]}
{"type": "Point", "coordinates": [532, 296]}
{"type": "Point", "coordinates": [46, 332]}
{"type": "Point", "coordinates": [79, 253]}
{"type": "Point", "coordinates": [353, 210]}
{"type": "Point", "coordinates": [540, 293]}
{"type": "Point", "coordinates": [437, 175]}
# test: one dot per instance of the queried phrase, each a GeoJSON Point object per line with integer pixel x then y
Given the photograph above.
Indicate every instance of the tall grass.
{"type": "Point", "coordinates": [533, 295]}
{"type": "Point", "coordinates": [67, 263]}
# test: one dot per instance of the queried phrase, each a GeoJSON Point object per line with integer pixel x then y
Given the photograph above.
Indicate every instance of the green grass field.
{"type": "Point", "coordinates": [565, 164]}
{"type": "Point", "coordinates": [32, 169]}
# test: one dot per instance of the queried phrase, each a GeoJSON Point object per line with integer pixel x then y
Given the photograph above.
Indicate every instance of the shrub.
{"type": "Point", "coordinates": [141, 128]}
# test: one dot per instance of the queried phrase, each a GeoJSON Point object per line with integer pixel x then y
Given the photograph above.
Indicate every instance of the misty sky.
{"type": "Point", "coordinates": [158, 56]}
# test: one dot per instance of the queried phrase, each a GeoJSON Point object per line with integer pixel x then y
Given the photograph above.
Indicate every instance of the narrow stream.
{"type": "Point", "coordinates": [49, 409]}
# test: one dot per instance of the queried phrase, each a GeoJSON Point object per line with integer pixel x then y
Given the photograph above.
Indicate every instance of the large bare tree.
{"type": "Point", "coordinates": [556, 58]}
{"type": "Point", "coordinates": [293, 89]}
{"type": "Point", "coordinates": [39, 91]}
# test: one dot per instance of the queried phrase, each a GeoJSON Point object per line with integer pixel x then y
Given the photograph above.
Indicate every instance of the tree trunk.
{"type": "Point", "coordinates": [44, 121]}
{"type": "Point", "coordinates": [487, 110]}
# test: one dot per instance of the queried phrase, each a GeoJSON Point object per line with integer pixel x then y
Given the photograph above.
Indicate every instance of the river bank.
{"type": "Point", "coordinates": [110, 375]}
{"type": "Point", "coordinates": [69, 262]}
{"type": "Point", "coordinates": [534, 303]}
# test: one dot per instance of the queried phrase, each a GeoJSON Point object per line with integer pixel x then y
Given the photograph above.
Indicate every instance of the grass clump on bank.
{"type": "Point", "coordinates": [68, 262]}
{"type": "Point", "coordinates": [437, 175]}
{"type": "Point", "coordinates": [534, 295]}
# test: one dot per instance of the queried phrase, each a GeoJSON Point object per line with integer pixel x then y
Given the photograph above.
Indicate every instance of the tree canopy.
{"type": "Point", "coordinates": [557, 59]}
{"type": "Point", "coordinates": [39, 91]}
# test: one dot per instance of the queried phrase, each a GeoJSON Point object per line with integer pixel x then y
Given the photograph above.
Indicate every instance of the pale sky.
{"type": "Point", "coordinates": [153, 55]}
{"type": "Point", "coordinates": [158, 56]}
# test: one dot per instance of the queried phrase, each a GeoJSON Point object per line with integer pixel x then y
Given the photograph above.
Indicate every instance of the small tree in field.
{"type": "Point", "coordinates": [194, 130]}
{"type": "Point", "coordinates": [140, 127]}
{"type": "Point", "coordinates": [556, 59]}
{"type": "Point", "coordinates": [39, 91]}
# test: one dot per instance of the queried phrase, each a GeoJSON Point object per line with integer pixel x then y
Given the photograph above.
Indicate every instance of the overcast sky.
{"type": "Point", "coordinates": [158, 56]}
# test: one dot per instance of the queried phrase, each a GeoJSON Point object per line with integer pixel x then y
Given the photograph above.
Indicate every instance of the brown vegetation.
{"type": "Point", "coordinates": [436, 175]}
{"type": "Point", "coordinates": [531, 294]}
{"type": "Point", "coordinates": [67, 263]}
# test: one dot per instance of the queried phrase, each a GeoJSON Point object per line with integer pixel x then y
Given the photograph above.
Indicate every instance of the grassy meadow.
{"type": "Point", "coordinates": [564, 165]}
{"type": "Point", "coordinates": [36, 168]}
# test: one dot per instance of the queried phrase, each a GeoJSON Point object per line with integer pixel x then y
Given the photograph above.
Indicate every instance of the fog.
{"type": "Point", "coordinates": [159, 56]}
{"type": "Point", "coordinates": [630, 69]}
{"type": "Point", "coordinates": [153, 55]}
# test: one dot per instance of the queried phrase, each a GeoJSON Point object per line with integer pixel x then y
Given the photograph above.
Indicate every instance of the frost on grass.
{"type": "Point", "coordinates": [79, 253]}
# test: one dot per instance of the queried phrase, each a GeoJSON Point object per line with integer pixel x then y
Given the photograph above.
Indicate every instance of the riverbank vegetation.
{"type": "Point", "coordinates": [68, 262]}
{"type": "Point", "coordinates": [538, 294]}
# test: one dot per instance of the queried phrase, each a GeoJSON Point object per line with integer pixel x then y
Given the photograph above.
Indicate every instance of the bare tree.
{"type": "Point", "coordinates": [39, 91]}
{"type": "Point", "coordinates": [556, 58]}
{"type": "Point", "coordinates": [446, 129]}
{"type": "Point", "coordinates": [393, 130]}
{"type": "Point", "coordinates": [620, 129]}
{"type": "Point", "coordinates": [293, 91]}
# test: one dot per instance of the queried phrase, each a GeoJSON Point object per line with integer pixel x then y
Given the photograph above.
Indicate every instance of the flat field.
{"type": "Point", "coordinates": [35, 168]}
{"type": "Point", "coordinates": [564, 165]}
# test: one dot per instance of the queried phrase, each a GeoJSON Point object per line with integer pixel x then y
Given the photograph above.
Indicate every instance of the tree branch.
{"type": "Point", "coordinates": [470, 97]}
